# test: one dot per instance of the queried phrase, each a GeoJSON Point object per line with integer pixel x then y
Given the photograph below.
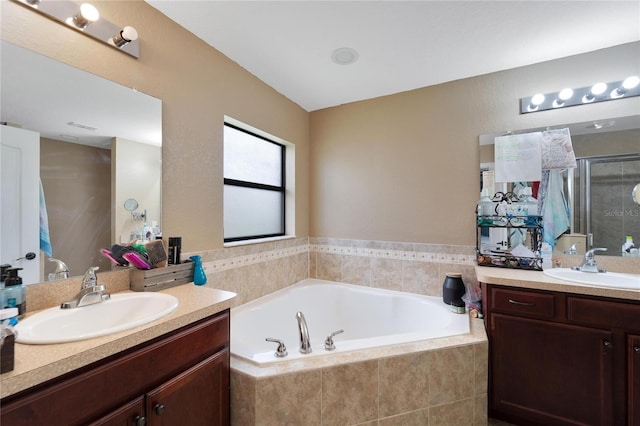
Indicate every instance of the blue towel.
{"type": "Point", "coordinates": [555, 211]}
{"type": "Point", "coordinates": [45, 240]}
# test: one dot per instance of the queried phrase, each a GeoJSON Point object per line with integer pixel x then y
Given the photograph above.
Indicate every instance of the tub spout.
{"type": "Point", "coordinates": [305, 341]}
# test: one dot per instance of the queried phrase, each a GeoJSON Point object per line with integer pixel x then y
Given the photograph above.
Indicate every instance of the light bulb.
{"type": "Point", "coordinates": [631, 82]}
{"type": "Point", "coordinates": [88, 14]}
{"type": "Point", "coordinates": [598, 88]}
{"type": "Point", "coordinates": [565, 94]}
{"type": "Point", "coordinates": [129, 33]}
{"type": "Point", "coordinates": [537, 99]}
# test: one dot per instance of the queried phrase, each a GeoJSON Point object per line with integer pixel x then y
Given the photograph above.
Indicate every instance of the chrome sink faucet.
{"type": "Point", "coordinates": [305, 341]}
{"type": "Point", "coordinates": [589, 263]}
{"type": "Point", "coordinates": [90, 292]}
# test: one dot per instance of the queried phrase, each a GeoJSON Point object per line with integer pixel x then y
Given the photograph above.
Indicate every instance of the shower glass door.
{"type": "Point", "coordinates": [607, 211]}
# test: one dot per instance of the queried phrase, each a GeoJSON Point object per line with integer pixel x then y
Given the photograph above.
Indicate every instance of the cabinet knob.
{"type": "Point", "coordinates": [140, 421]}
{"type": "Point", "coordinates": [607, 344]}
{"type": "Point", "coordinates": [636, 349]}
{"type": "Point", "coordinates": [159, 409]}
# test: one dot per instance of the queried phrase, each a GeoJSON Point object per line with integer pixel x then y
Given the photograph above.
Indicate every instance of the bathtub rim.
{"type": "Point", "coordinates": [476, 335]}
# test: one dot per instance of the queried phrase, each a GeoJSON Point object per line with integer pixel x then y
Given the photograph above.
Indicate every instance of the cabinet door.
{"type": "Point", "coordinates": [633, 348]}
{"type": "Point", "coordinates": [199, 396]}
{"type": "Point", "coordinates": [131, 414]}
{"type": "Point", "coordinates": [548, 373]}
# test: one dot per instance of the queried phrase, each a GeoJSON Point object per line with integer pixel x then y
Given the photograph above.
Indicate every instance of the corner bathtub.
{"type": "Point", "coordinates": [370, 317]}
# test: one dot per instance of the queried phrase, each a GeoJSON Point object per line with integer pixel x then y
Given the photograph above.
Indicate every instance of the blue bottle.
{"type": "Point", "coordinates": [199, 277]}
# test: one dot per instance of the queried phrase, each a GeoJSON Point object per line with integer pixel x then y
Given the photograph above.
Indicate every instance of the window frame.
{"type": "Point", "coordinates": [282, 188]}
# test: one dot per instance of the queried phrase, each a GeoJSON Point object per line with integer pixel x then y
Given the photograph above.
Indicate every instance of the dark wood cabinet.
{"type": "Point", "coordinates": [179, 378]}
{"type": "Point", "coordinates": [562, 359]}
{"type": "Point", "coordinates": [633, 360]}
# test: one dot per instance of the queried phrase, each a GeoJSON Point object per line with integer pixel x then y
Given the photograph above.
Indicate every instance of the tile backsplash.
{"type": "Point", "coordinates": [255, 270]}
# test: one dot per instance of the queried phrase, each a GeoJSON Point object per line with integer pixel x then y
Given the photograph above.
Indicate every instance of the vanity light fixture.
{"type": "Point", "coordinates": [88, 14]}
{"type": "Point", "coordinates": [86, 19]}
{"type": "Point", "coordinates": [124, 37]}
{"type": "Point", "coordinates": [599, 92]}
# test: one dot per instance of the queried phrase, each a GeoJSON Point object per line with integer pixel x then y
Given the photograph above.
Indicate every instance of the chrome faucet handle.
{"type": "Point", "coordinates": [90, 279]}
{"type": "Point", "coordinates": [590, 253]}
{"type": "Point", "coordinates": [281, 352]}
{"type": "Point", "coordinates": [328, 343]}
{"type": "Point", "coordinates": [589, 263]}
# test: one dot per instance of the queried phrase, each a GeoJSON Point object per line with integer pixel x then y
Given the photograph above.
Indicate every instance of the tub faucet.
{"type": "Point", "coordinates": [305, 341]}
{"type": "Point", "coordinates": [90, 292]}
{"type": "Point", "coordinates": [589, 263]}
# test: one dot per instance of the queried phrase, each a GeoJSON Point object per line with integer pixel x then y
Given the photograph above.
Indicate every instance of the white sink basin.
{"type": "Point", "coordinates": [120, 312]}
{"type": "Point", "coordinates": [602, 279]}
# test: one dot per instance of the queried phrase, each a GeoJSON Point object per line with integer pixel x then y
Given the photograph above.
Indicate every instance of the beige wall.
{"type": "Point", "coordinates": [76, 181]}
{"type": "Point", "coordinates": [397, 168]}
{"type": "Point", "coordinates": [198, 86]}
{"type": "Point", "coordinates": [136, 174]}
{"type": "Point", "coordinates": [405, 167]}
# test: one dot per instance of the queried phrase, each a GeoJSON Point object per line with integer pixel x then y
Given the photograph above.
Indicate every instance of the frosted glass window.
{"type": "Point", "coordinates": [250, 212]}
{"type": "Point", "coordinates": [250, 158]}
{"type": "Point", "coordinates": [254, 186]}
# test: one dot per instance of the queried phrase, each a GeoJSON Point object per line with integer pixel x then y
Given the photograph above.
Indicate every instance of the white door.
{"type": "Point", "coordinates": [20, 201]}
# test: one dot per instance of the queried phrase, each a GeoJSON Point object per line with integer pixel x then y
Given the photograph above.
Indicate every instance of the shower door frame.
{"type": "Point", "coordinates": [581, 222]}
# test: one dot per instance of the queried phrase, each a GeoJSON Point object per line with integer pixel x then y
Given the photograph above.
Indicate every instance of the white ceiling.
{"type": "Point", "coordinates": [402, 45]}
{"type": "Point", "coordinates": [41, 94]}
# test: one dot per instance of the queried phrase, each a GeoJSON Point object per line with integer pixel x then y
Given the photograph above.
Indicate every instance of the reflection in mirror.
{"type": "Point", "coordinates": [635, 194]}
{"type": "Point", "coordinates": [602, 213]}
{"type": "Point", "coordinates": [99, 145]}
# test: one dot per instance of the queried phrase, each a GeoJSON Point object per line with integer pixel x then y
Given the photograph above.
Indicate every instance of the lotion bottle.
{"type": "Point", "coordinates": [627, 246]}
{"type": "Point", "coordinates": [14, 292]}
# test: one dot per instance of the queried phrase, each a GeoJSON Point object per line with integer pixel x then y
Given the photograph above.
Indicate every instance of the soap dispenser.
{"type": "Point", "coordinates": [14, 292]}
{"type": "Point", "coordinates": [3, 276]}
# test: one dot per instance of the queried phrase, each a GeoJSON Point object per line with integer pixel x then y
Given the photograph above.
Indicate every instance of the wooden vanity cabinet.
{"type": "Point", "coordinates": [562, 359]}
{"type": "Point", "coordinates": [633, 360]}
{"type": "Point", "coordinates": [181, 378]}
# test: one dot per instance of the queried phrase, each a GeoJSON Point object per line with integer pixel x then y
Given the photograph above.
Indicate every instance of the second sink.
{"type": "Point", "coordinates": [602, 279]}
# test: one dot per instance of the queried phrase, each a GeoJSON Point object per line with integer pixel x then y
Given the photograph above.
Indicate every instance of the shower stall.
{"type": "Point", "coordinates": [603, 209]}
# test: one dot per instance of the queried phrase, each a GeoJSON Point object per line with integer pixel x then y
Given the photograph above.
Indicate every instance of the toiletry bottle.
{"type": "Point", "coordinates": [546, 252]}
{"type": "Point", "coordinates": [530, 207]}
{"type": "Point", "coordinates": [175, 244]}
{"type": "Point", "coordinates": [3, 276]}
{"type": "Point", "coordinates": [14, 292]}
{"type": "Point", "coordinates": [627, 246]}
{"type": "Point", "coordinates": [486, 208]}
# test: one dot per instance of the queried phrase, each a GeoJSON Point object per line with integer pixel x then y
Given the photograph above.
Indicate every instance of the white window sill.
{"type": "Point", "coordinates": [258, 241]}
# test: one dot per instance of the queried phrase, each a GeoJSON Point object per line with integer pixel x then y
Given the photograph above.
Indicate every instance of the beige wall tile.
{"type": "Point", "coordinates": [451, 375]}
{"type": "Point", "coordinates": [458, 413]}
{"type": "Point", "coordinates": [356, 270]}
{"type": "Point", "coordinates": [329, 266]}
{"type": "Point", "coordinates": [404, 384]}
{"type": "Point", "coordinates": [481, 362]}
{"type": "Point", "coordinates": [230, 280]}
{"type": "Point", "coordinates": [299, 405]}
{"type": "Point", "coordinates": [480, 417]}
{"type": "Point", "coordinates": [350, 393]}
{"type": "Point", "coordinates": [415, 418]}
{"type": "Point", "coordinates": [386, 273]}
{"type": "Point", "coordinates": [242, 399]}
{"type": "Point", "coordinates": [421, 278]}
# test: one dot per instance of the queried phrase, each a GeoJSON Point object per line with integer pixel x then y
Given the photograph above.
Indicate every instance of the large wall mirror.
{"type": "Point", "coordinates": [98, 146]}
{"type": "Point", "coordinates": [600, 190]}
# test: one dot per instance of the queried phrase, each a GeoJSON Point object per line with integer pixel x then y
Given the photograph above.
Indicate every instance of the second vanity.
{"type": "Point", "coordinates": [561, 353]}
{"type": "Point", "coordinates": [174, 370]}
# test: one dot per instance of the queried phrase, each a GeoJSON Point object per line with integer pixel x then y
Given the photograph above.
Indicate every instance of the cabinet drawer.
{"type": "Point", "coordinates": [604, 313]}
{"type": "Point", "coordinates": [522, 303]}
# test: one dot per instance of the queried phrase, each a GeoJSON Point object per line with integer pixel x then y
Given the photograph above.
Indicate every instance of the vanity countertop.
{"type": "Point", "coordinates": [539, 281]}
{"type": "Point", "coordinates": [35, 364]}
